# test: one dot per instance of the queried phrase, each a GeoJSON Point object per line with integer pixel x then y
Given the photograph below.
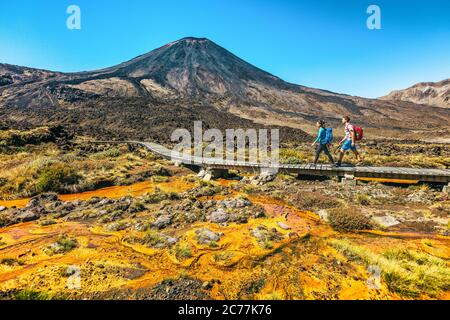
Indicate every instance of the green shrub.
{"type": "Point", "coordinates": [16, 138]}
{"type": "Point", "coordinates": [11, 262]}
{"type": "Point", "coordinates": [137, 206]}
{"type": "Point", "coordinates": [363, 199]}
{"type": "Point", "coordinates": [183, 251]}
{"type": "Point", "coordinates": [161, 171]}
{"type": "Point", "coordinates": [250, 189]}
{"type": "Point", "coordinates": [223, 256]}
{"type": "Point", "coordinates": [62, 245]}
{"type": "Point", "coordinates": [347, 219]}
{"type": "Point", "coordinates": [56, 177]}
{"type": "Point", "coordinates": [191, 178]}
{"type": "Point", "coordinates": [207, 189]}
{"type": "Point", "coordinates": [159, 179]}
{"type": "Point", "coordinates": [152, 238]}
{"type": "Point", "coordinates": [158, 196]}
{"type": "Point", "coordinates": [32, 295]}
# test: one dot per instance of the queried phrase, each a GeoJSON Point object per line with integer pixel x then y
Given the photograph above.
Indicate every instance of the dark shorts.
{"type": "Point", "coordinates": [348, 146]}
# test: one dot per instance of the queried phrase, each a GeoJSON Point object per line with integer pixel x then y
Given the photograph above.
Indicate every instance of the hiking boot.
{"type": "Point", "coordinates": [336, 165]}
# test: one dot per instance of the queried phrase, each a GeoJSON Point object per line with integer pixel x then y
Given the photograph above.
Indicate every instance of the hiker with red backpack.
{"type": "Point", "coordinates": [352, 134]}
{"type": "Point", "coordinates": [324, 139]}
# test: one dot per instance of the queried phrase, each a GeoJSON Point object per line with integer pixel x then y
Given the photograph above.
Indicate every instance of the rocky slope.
{"type": "Point", "coordinates": [430, 93]}
{"type": "Point", "coordinates": [192, 79]}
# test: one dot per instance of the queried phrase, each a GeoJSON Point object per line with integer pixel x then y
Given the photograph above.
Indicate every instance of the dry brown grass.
{"type": "Point", "coordinates": [406, 272]}
{"type": "Point", "coordinates": [47, 168]}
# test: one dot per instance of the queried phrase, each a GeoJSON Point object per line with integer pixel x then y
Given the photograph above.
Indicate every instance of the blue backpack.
{"type": "Point", "coordinates": [329, 136]}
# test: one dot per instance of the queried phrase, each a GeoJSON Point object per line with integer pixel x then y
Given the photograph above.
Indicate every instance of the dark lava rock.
{"type": "Point", "coordinates": [263, 234]}
{"type": "Point", "coordinates": [283, 226]}
{"type": "Point", "coordinates": [26, 216]}
{"type": "Point", "coordinates": [180, 289]}
{"type": "Point", "coordinates": [234, 203]}
{"type": "Point", "coordinates": [219, 216]}
{"type": "Point", "coordinates": [162, 221]}
{"type": "Point", "coordinates": [117, 226]}
{"type": "Point", "coordinates": [206, 236]}
{"type": "Point", "coordinates": [184, 288]}
{"type": "Point", "coordinates": [106, 201]}
{"type": "Point", "coordinates": [34, 202]}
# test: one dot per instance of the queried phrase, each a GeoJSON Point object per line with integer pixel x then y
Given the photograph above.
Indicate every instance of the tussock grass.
{"type": "Point", "coordinates": [182, 251]}
{"type": "Point", "coordinates": [46, 168]}
{"type": "Point", "coordinates": [158, 196]}
{"type": "Point", "coordinates": [16, 138]}
{"type": "Point", "coordinates": [406, 272]}
{"type": "Point", "coordinates": [11, 262]}
{"type": "Point", "coordinates": [406, 160]}
{"type": "Point", "coordinates": [31, 294]}
{"type": "Point", "coordinates": [62, 245]}
{"type": "Point", "coordinates": [106, 154]}
{"type": "Point", "coordinates": [250, 189]}
{"type": "Point", "coordinates": [152, 238]}
{"type": "Point", "coordinates": [159, 179]}
{"type": "Point", "coordinates": [294, 156]}
{"type": "Point", "coordinates": [56, 177]}
{"type": "Point", "coordinates": [363, 199]}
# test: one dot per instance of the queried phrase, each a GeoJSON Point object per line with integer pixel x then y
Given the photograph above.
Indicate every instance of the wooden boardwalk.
{"type": "Point", "coordinates": [424, 175]}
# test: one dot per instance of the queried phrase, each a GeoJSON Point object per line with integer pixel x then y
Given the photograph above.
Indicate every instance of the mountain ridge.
{"type": "Point", "coordinates": [429, 93]}
{"type": "Point", "coordinates": [193, 72]}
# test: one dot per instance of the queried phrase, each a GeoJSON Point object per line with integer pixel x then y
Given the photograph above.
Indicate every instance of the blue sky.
{"type": "Point", "coordinates": [322, 44]}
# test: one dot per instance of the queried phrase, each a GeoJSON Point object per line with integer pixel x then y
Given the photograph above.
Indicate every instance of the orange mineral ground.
{"type": "Point", "coordinates": [114, 192]}
{"type": "Point", "coordinates": [303, 265]}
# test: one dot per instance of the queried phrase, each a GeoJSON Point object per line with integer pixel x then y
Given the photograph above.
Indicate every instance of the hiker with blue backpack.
{"type": "Point", "coordinates": [324, 139]}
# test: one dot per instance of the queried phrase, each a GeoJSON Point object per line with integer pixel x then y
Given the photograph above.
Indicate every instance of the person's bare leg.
{"type": "Point", "coordinates": [357, 155]}
{"type": "Point", "coordinates": [341, 156]}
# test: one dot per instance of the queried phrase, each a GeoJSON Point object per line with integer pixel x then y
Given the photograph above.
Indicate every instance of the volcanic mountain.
{"type": "Point", "coordinates": [430, 93]}
{"type": "Point", "coordinates": [187, 80]}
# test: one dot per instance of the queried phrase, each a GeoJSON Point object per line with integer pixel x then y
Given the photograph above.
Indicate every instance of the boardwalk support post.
{"type": "Point", "coordinates": [177, 163]}
{"type": "Point", "coordinates": [210, 173]}
{"type": "Point", "coordinates": [349, 180]}
{"type": "Point", "coordinates": [446, 189]}
{"type": "Point", "coordinates": [265, 175]}
{"type": "Point", "coordinates": [269, 171]}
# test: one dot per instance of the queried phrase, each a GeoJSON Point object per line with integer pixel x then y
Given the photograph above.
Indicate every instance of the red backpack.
{"type": "Point", "coordinates": [359, 133]}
